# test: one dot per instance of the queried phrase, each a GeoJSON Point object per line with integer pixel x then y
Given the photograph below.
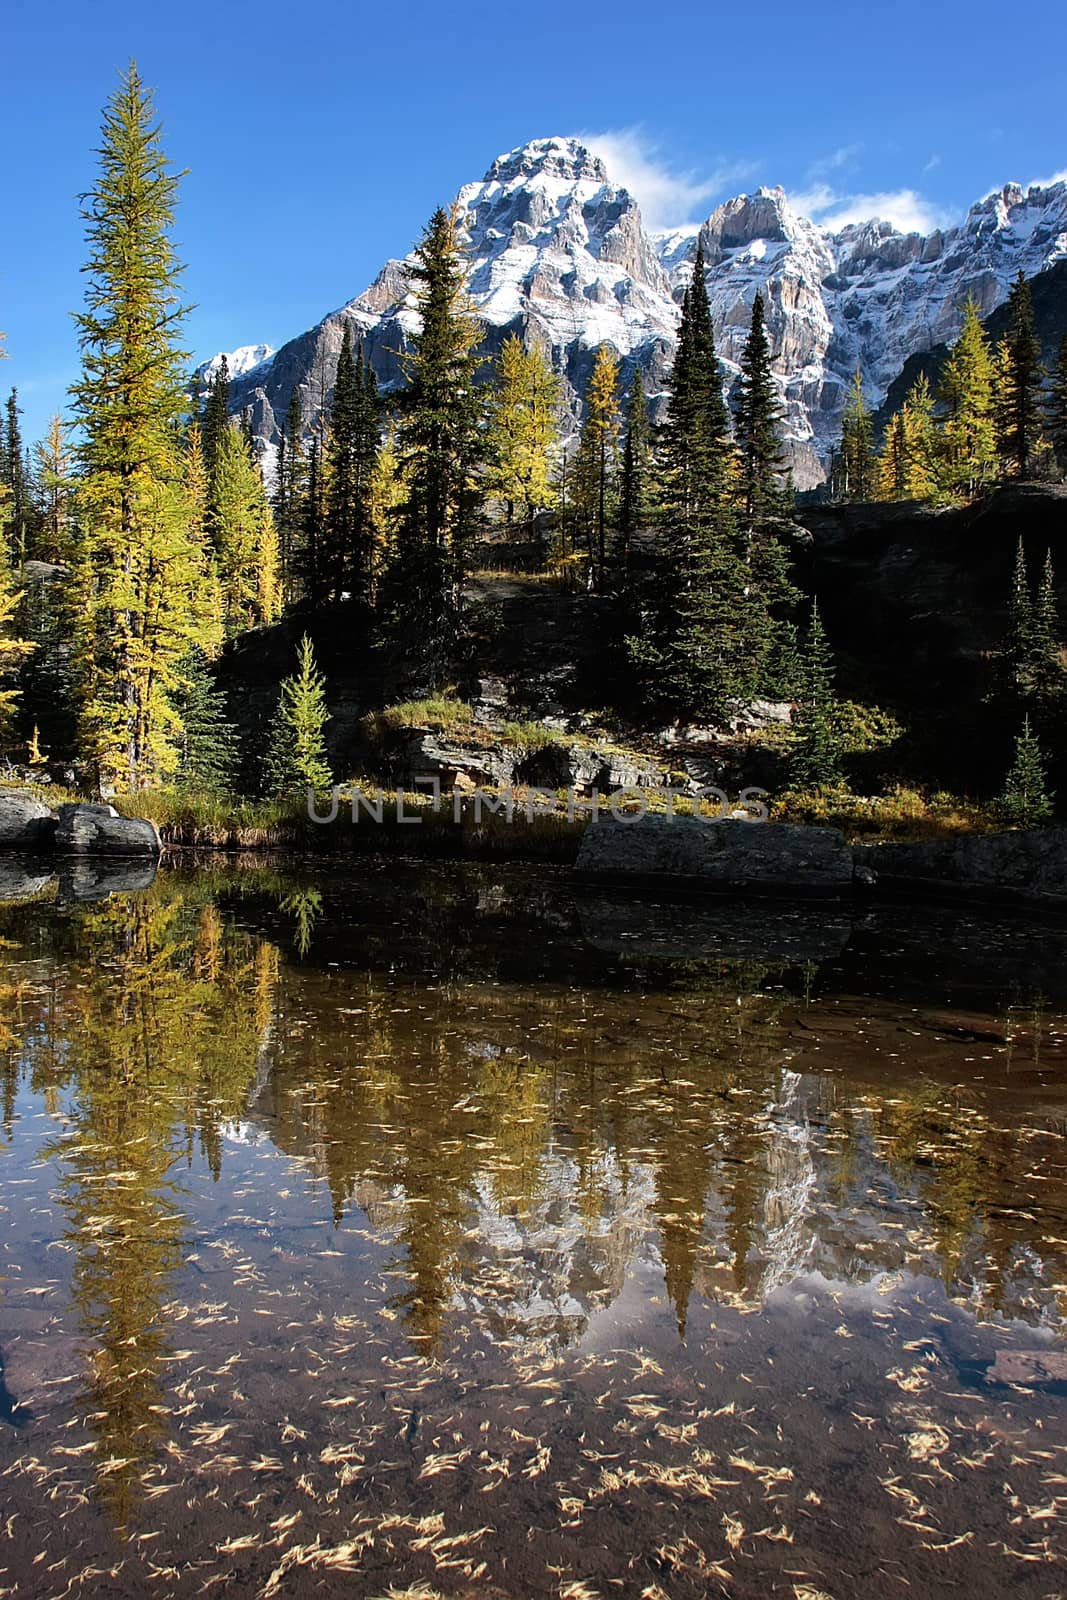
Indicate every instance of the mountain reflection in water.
{"type": "Point", "coordinates": [359, 1223]}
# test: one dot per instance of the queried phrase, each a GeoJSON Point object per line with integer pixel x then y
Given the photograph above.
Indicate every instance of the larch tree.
{"type": "Point", "coordinates": [921, 443]}
{"type": "Point", "coordinates": [56, 485]}
{"type": "Point", "coordinates": [523, 430]}
{"type": "Point", "coordinates": [893, 461]}
{"type": "Point", "coordinates": [145, 592]}
{"type": "Point", "coordinates": [966, 390]}
{"type": "Point", "coordinates": [242, 535]}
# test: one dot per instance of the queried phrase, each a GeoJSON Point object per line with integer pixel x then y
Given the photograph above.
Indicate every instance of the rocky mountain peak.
{"type": "Point", "coordinates": [559, 160]}
{"type": "Point", "coordinates": [559, 255]}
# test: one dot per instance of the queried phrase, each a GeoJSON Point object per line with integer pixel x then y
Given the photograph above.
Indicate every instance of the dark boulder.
{"type": "Point", "coordinates": [723, 855]}
{"type": "Point", "coordinates": [92, 829]}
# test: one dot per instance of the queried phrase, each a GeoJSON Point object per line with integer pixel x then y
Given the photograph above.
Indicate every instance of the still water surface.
{"type": "Point", "coordinates": [421, 1231]}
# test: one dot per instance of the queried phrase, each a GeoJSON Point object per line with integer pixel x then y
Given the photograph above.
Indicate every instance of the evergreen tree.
{"type": "Point", "coordinates": [143, 569]}
{"type": "Point", "coordinates": [696, 447]}
{"type": "Point", "coordinates": [351, 451]}
{"type": "Point", "coordinates": [1047, 669]}
{"type": "Point", "coordinates": [596, 462]}
{"type": "Point", "coordinates": [635, 489]}
{"type": "Point", "coordinates": [1020, 394]}
{"type": "Point", "coordinates": [309, 558]}
{"type": "Point", "coordinates": [208, 747]}
{"type": "Point", "coordinates": [523, 429]}
{"type": "Point", "coordinates": [440, 444]}
{"type": "Point", "coordinates": [759, 423]}
{"type": "Point", "coordinates": [243, 540]}
{"type": "Point", "coordinates": [215, 422]}
{"type": "Point", "coordinates": [1025, 802]}
{"type": "Point", "coordinates": [14, 475]}
{"type": "Point", "coordinates": [969, 434]}
{"type": "Point", "coordinates": [289, 495]}
{"type": "Point", "coordinates": [817, 753]}
{"type": "Point", "coordinates": [857, 444]}
{"type": "Point", "coordinates": [1056, 406]}
{"type": "Point", "coordinates": [297, 759]}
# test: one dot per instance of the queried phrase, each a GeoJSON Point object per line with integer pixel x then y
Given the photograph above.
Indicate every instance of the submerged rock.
{"type": "Point", "coordinates": [724, 855]}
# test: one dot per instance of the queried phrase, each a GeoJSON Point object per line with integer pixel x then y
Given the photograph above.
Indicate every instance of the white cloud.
{"type": "Point", "coordinates": [668, 198]}
{"type": "Point", "coordinates": [906, 209]}
{"type": "Point", "coordinates": [1046, 183]}
{"type": "Point", "coordinates": [846, 155]}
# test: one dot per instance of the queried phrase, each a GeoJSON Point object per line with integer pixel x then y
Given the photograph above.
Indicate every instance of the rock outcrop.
{"type": "Point", "coordinates": [28, 825]}
{"type": "Point", "coordinates": [1028, 867]}
{"type": "Point", "coordinates": [725, 855]}
{"type": "Point", "coordinates": [100, 830]}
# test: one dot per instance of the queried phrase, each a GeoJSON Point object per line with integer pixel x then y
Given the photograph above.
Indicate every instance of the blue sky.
{"type": "Point", "coordinates": [319, 136]}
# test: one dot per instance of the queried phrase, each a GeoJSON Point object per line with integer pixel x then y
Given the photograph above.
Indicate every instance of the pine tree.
{"type": "Point", "coordinates": [969, 434]}
{"type": "Point", "coordinates": [523, 429]}
{"type": "Point", "coordinates": [816, 755]}
{"type": "Point", "coordinates": [1056, 406]}
{"type": "Point", "coordinates": [1025, 802]}
{"type": "Point", "coordinates": [700, 634]}
{"type": "Point", "coordinates": [857, 444]}
{"type": "Point", "coordinates": [352, 448]}
{"type": "Point", "coordinates": [145, 585]}
{"type": "Point", "coordinates": [596, 463]}
{"type": "Point", "coordinates": [241, 530]}
{"type": "Point", "coordinates": [1019, 400]}
{"type": "Point", "coordinates": [440, 443]}
{"type": "Point", "coordinates": [696, 447]}
{"type": "Point", "coordinates": [289, 495]}
{"type": "Point", "coordinates": [635, 488]}
{"type": "Point", "coordinates": [309, 556]}
{"type": "Point", "coordinates": [14, 475]}
{"type": "Point", "coordinates": [297, 759]}
{"type": "Point", "coordinates": [759, 423]}
{"type": "Point", "coordinates": [1047, 676]}
{"type": "Point", "coordinates": [215, 421]}
{"type": "Point", "coordinates": [208, 749]}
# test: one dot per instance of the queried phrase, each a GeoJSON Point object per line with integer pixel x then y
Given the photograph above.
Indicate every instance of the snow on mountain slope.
{"type": "Point", "coordinates": [559, 254]}
{"type": "Point", "coordinates": [238, 362]}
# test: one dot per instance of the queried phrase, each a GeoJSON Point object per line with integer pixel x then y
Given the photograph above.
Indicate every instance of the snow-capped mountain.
{"type": "Point", "coordinates": [559, 254]}
{"type": "Point", "coordinates": [238, 362]}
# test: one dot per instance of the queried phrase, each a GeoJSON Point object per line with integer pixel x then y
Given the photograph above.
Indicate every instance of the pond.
{"type": "Point", "coordinates": [428, 1230]}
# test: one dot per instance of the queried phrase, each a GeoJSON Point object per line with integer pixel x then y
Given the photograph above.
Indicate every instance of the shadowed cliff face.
{"type": "Point", "coordinates": [916, 603]}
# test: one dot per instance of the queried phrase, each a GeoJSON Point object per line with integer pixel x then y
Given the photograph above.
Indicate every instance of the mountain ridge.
{"type": "Point", "coordinates": [560, 255]}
